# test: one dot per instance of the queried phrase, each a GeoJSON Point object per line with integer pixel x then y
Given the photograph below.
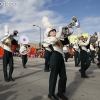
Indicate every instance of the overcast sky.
{"type": "Point", "coordinates": [22, 14]}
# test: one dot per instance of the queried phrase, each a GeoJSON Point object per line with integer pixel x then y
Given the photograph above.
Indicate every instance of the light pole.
{"type": "Point", "coordinates": [40, 33]}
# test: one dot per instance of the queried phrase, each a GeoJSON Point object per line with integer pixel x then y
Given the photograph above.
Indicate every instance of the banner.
{"type": "Point", "coordinates": [74, 38]}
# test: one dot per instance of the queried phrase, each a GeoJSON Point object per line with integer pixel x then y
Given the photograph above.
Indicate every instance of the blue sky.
{"type": "Point", "coordinates": [59, 12]}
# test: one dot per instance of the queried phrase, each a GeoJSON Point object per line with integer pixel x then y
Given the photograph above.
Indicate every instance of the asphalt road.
{"type": "Point", "coordinates": [32, 83]}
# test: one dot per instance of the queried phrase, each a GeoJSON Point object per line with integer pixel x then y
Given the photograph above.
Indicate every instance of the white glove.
{"type": "Point", "coordinates": [8, 35]}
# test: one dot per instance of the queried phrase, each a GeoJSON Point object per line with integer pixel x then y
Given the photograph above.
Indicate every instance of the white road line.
{"type": "Point", "coordinates": [69, 62]}
{"type": "Point", "coordinates": [34, 68]}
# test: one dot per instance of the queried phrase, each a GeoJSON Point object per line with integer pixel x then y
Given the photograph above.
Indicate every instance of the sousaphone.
{"type": "Point", "coordinates": [24, 47]}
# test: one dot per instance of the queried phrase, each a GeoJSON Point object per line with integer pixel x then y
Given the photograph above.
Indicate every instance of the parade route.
{"type": "Point", "coordinates": [32, 83]}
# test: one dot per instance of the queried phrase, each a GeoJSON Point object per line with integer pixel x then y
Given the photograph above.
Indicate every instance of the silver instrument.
{"type": "Point", "coordinates": [24, 47]}
{"type": "Point", "coordinates": [14, 34]}
{"type": "Point", "coordinates": [68, 30]}
{"type": "Point", "coordinates": [93, 38]}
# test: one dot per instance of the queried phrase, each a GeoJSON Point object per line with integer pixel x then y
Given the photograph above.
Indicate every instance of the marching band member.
{"type": "Point", "coordinates": [57, 64]}
{"type": "Point", "coordinates": [66, 52]}
{"type": "Point", "coordinates": [24, 56]}
{"type": "Point", "coordinates": [47, 53]}
{"type": "Point", "coordinates": [24, 49]}
{"type": "Point", "coordinates": [98, 64]}
{"type": "Point", "coordinates": [98, 42]}
{"type": "Point", "coordinates": [85, 62]}
{"type": "Point", "coordinates": [8, 57]}
{"type": "Point", "coordinates": [76, 54]}
{"type": "Point", "coordinates": [84, 57]}
{"type": "Point", "coordinates": [92, 50]}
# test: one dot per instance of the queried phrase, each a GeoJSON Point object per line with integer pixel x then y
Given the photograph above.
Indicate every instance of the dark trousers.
{"type": "Point", "coordinates": [98, 56]}
{"type": "Point", "coordinates": [77, 57]}
{"type": "Point", "coordinates": [24, 60]}
{"type": "Point", "coordinates": [85, 61]}
{"type": "Point", "coordinates": [57, 67]}
{"type": "Point", "coordinates": [92, 56]}
{"type": "Point", "coordinates": [47, 59]}
{"type": "Point", "coordinates": [8, 59]}
{"type": "Point", "coordinates": [66, 56]}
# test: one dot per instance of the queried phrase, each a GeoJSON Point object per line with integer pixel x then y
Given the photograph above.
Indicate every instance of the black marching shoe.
{"type": "Point", "coordinates": [77, 65]}
{"type": "Point", "coordinates": [53, 97]}
{"type": "Point", "coordinates": [24, 67]}
{"type": "Point", "coordinates": [11, 79]}
{"type": "Point", "coordinates": [84, 76]}
{"type": "Point", "coordinates": [61, 96]}
{"type": "Point", "coordinates": [46, 70]}
{"type": "Point", "coordinates": [7, 79]}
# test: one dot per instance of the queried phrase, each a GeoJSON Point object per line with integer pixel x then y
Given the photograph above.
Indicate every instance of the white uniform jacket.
{"type": "Point", "coordinates": [76, 47]}
{"type": "Point", "coordinates": [53, 41]}
{"type": "Point", "coordinates": [84, 44]}
{"type": "Point", "coordinates": [6, 41]}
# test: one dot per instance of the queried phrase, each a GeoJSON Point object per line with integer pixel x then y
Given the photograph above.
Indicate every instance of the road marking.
{"type": "Point", "coordinates": [34, 68]}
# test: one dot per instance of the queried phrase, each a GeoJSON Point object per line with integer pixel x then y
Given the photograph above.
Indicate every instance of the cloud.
{"type": "Point", "coordinates": [89, 7]}
{"type": "Point", "coordinates": [24, 15]}
{"type": "Point", "coordinates": [57, 3]}
{"type": "Point", "coordinates": [90, 24]}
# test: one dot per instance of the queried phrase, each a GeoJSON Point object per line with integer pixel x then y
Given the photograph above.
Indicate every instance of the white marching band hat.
{"type": "Point", "coordinates": [79, 35]}
{"type": "Point", "coordinates": [47, 25]}
{"type": "Point", "coordinates": [24, 39]}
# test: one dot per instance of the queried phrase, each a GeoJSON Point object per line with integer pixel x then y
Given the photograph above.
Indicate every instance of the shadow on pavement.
{"type": "Point", "coordinates": [27, 75]}
{"type": "Point", "coordinates": [6, 95]}
{"type": "Point", "coordinates": [74, 85]}
{"type": "Point", "coordinates": [34, 65]}
{"type": "Point", "coordinates": [37, 98]}
{"type": "Point", "coordinates": [5, 92]}
{"type": "Point", "coordinates": [6, 87]}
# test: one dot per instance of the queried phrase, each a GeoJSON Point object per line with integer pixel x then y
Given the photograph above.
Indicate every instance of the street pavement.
{"type": "Point", "coordinates": [32, 83]}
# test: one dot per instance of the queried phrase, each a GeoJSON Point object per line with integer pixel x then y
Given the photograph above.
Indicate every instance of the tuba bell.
{"type": "Point", "coordinates": [24, 47]}
{"type": "Point", "coordinates": [93, 38]}
{"type": "Point", "coordinates": [68, 30]}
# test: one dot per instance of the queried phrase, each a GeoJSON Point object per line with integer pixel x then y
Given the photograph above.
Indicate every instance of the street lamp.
{"type": "Point", "coordinates": [40, 33]}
